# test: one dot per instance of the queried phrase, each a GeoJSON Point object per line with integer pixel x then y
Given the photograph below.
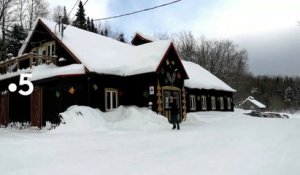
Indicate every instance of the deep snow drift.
{"type": "Point", "coordinates": [132, 140]}
{"type": "Point", "coordinates": [86, 119]}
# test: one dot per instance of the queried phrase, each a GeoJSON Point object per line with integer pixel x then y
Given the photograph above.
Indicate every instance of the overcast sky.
{"type": "Point", "coordinates": [267, 29]}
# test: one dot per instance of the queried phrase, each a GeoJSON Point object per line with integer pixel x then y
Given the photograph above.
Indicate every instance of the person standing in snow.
{"type": "Point", "coordinates": [174, 113]}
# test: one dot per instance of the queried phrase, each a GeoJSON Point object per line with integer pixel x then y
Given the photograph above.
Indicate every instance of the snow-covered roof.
{"type": "Point", "coordinates": [46, 71]}
{"type": "Point", "coordinates": [147, 37]}
{"type": "Point", "coordinates": [200, 78]}
{"type": "Point", "coordinates": [255, 102]}
{"type": "Point", "coordinates": [105, 55]}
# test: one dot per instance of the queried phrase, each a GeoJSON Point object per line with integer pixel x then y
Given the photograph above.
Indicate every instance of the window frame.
{"type": "Point", "coordinates": [111, 91]}
{"type": "Point", "coordinates": [213, 103]}
{"type": "Point", "coordinates": [222, 103]}
{"type": "Point", "coordinates": [193, 102]}
{"type": "Point", "coordinates": [229, 106]}
{"type": "Point", "coordinates": [51, 49]}
{"type": "Point", "coordinates": [203, 102]}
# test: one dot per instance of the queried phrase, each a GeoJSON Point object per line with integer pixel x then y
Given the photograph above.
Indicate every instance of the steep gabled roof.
{"type": "Point", "coordinates": [200, 78]}
{"type": "Point", "coordinates": [101, 54]}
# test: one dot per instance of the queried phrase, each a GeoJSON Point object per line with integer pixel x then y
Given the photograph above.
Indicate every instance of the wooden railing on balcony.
{"type": "Point", "coordinates": [25, 61]}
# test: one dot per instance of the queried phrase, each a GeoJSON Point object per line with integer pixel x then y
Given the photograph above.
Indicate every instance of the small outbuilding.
{"type": "Point", "coordinates": [251, 104]}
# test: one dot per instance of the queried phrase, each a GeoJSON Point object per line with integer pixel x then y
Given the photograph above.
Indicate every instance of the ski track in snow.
{"type": "Point", "coordinates": [209, 143]}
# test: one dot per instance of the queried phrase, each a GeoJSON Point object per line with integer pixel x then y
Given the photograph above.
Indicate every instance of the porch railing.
{"type": "Point", "coordinates": [25, 61]}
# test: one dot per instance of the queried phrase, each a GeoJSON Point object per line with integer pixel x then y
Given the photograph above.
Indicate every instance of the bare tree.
{"type": "Point", "coordinates": [6, 18]}
{"type": "Point", "coordinates": [58, 11]}
{"type": "Point", "coordinates": [221, 57]}
{"type": "Point", "coordinates": [35, 9]}
{"type": "Point", "coordinates": [21, 11]}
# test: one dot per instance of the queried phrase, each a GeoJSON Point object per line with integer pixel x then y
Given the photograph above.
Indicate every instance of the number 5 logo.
{"type": "Point", "coordinates": [24, 81]}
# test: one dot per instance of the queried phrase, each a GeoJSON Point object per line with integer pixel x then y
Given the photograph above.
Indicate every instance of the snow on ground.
{"type": "Point", "coordinates": [132, 140]}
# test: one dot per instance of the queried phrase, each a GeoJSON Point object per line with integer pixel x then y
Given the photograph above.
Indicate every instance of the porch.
{"type": "Point", "coordinates": [25, 61]}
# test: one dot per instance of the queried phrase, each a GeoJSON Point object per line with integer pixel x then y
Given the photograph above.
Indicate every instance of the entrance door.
{"type": "Point", "coordinates": [4, 109]}
{"type": "Point", "coordinates": [36, 107]}
{"type": "Point", "coordinates": [167, 93]}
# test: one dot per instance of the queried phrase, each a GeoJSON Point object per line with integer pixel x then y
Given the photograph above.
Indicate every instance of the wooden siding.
{"type": "Point", "coordinates": [4, 109]}
{"type": "Point", "coordinates": [37, 107]}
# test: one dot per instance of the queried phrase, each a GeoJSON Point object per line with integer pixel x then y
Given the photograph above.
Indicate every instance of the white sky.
{"type": "Point", "coordinates": [222, 19]}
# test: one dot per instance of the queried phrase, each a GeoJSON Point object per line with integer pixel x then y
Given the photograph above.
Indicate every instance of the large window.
{"type": "Point", "coordinates": [203, 102]}
{"type": "Point", "coordinates": [213, 102]}
{"type": "Point", "coordinates": [221, 103]}
{"type": "Point", "coordinates": [228, 103]}
{"type": "Point", "coordinates": [111, 99]}
{"type": "Point", "coordinates": [193, 102]}
{"type": "Point", "coordinates": [51, 49]}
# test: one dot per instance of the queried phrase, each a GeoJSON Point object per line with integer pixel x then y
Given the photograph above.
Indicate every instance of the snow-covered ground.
{"type": "Point", "coordinates": [134, 141]}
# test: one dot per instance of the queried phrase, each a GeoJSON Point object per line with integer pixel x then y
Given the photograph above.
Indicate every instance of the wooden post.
{"type": "Point", "coordinates": [17, 64]}
{"type": "Point", "coordinates": [54, 59]}
{"type": "Point", "coordinates": [6, 67]}
{"type": "Point", "coordinates": [30, 60]}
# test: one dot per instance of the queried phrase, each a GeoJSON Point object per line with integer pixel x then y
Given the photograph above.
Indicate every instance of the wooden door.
{"type": "Point", "coordinates": [176, 94]}
{"type": "Point", "coordinates": [37, 107]}
{"type": "Point", "coordinates": [4, 109]}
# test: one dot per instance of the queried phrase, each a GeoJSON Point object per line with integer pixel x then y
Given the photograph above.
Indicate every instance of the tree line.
{"type": "Point", "coordinates": [228, 62]}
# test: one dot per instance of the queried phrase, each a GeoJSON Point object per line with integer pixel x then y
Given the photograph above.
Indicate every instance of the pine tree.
{"type": "Point", "coordinates": [88, 24]}
{"type": "Point", "coordinates": [80, 20]}
{"type": "Point", "coordinates": [65, 19]}
{"type": "Point", "coordinates": [121, 37]}
{"type": "Point", "coordinates": [15, 38]}
{"type": "Point", "coordinates": [93, 28]}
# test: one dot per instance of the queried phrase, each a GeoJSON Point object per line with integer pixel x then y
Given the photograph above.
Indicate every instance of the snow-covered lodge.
{"type": "Point", "coordinates": [78, 67]}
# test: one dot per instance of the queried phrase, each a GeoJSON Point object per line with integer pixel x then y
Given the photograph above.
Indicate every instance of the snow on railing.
{"type": "Point", "coordinates": [25, 61]}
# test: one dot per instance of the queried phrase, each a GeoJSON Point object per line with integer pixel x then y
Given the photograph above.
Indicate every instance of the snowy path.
{"type": "Point", "coordinates": [214, 143]}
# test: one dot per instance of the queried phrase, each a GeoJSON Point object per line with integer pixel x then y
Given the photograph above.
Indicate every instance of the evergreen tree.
{"type": "Point", "coordinates": [80, 20]}
{"type": "Point", "coordinates": [121, 37]}
{"type": "Point", "coordinates": [93, 28]}
{"type": "Point", "coordinates": [88, 24]}
{"type": "Point", "coordinates": [65, 19]}
{"type": "Point", "coordinates": [15, 38]}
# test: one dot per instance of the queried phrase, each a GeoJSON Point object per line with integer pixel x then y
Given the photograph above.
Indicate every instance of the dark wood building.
{"type": "Point", "coordinates": [83, 68]}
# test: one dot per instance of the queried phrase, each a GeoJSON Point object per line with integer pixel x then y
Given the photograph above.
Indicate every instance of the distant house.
{"type": "Point", "coordinates": [84, 68]}
{"type": "Point", "coordinates": [251, 104]}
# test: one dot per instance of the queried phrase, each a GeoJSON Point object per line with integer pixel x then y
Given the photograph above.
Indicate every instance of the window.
{"type": "Point", "coordinates": [192, 102]}
{"type": "Point", "coordinates": [51, 49]}
{"type": "Point", "coordinates": [213, 103]}
{"type": "Point", "coordinates": [111, 99]}
{"type": "Point", "coordinates": [203, 102]}
{"type": "Point", "coordinates": [221, 103]}
{"type": "Point", "coordinates": [228, 103]}
{"type": "Point", "coordinates": [167, 95]}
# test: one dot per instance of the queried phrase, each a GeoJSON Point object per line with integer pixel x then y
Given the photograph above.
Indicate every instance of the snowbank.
{"type": "Point", "coordinates": [82, 118]}
{"type": "Point", "coordinates": [225, 143]}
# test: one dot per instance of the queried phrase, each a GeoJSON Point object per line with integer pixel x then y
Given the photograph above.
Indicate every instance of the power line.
{"type": "Point", "coordinates": [75, 15]}
{"type": "Point", "coordinates": [139, 11]}
{"type": "Point", "coordinates": [73, 8]}
{"type": "Point", "coordinates": [85, 2]}
{"type": "Point", "coordinates": [82, 5]}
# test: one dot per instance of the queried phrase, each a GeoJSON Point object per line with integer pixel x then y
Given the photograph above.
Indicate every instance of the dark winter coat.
{"type": "Point", "coordinates": [174, 113]}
